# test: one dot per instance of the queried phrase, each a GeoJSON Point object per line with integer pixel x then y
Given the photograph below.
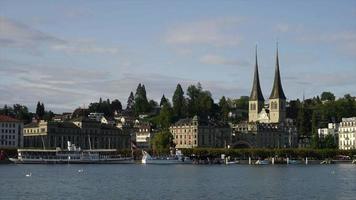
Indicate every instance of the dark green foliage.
{"type": "Point", "coordinates": [163, 101]}
{"type": "Point", "coordinates": [200, 102]}
{"type": "Point", "coordinates": [179, 103]}
{"type": "Point", "coordinates": [18, 111]}
{"type": "Point", "coordinates": [106, 107]}
{"type": "Point", "coordinates": [327, 96]}
{"type": "Point", "coordinates": [130, 102]}
{"type": "Point", "coordinates": [40, 110]}
{"type": "Point", "coordinates": [162, 142]}
{"type": "Point", "coordinates": [320, 154]}
{"type": "Point", "coordinates": [224, 109]}
{"type": "Point", "coordinates": [141, 103]}
{"type": "Point", "coordinates": [165, 116]}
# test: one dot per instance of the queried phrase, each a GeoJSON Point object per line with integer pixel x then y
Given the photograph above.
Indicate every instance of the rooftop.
{"type": "Point", "coordinates": [5, 118]}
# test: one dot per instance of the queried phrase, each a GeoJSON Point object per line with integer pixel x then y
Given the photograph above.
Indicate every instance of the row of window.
{"type": "Point", "coordinates": [7, 143]}
{"type": "Point", "coordinates": [347, 142]}
{"type": "Point", "coordinates": [8, 125]}
{"type": "Point", "coordinates": [348, 124]}
{"type": "Point", "coordinates": [185, 136]}
{"type": "Point", "coordinates": [7, 137]}
{"type": "Point", "coordinates": [7, 130]}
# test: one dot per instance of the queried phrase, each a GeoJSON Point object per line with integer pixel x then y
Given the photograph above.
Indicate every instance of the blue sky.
{"type": "Point", "coordinates": [70, 53]}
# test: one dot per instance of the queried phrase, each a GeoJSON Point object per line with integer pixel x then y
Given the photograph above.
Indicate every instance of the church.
{"type": "Point", "coordinates": [267, 125]}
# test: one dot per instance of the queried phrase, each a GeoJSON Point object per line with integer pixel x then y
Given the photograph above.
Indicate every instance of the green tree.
{"type": "Point", "coordinates": [116, 106]}
{"type": "Point", "coordinates": [315, 134]}
{"type": "Point", "coordinates": [130, 102]}
{"type": "Point", "coordinates": [161, 142]}
{"type": "Point", "coordinates": [163, 101]}
{"type": "Point", "coordinates": [224, 108]}
{"type": "Point", "coordinates": [165, 116]}
{"type": "Point", "coordinates": [141, 102]}
{"type": "Point", "coordinates": [327, 96]}
{"type": "Point", "coordinates": [40, 110]}
{"type": "Point", "coordinates": [179, 104]}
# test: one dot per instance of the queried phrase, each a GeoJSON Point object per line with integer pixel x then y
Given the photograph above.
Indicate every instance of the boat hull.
{"type": "Point", "coordinates": [61, 161]}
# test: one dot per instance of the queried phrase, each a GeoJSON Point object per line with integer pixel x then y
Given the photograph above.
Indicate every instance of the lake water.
{"type": "Point", "coordinates": [160, 182]}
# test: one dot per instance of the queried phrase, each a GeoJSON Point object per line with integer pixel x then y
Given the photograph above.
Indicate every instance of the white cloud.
{"type": "Point", "coordinates": [83, 48]}
{"type": "Point", "coordinates": [14, 34]}
{"type": "Point", "coordinates": [214, 32]}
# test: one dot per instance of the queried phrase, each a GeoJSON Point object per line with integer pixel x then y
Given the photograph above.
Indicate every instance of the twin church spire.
{"type": "Point", "coordinates": [277, 90]}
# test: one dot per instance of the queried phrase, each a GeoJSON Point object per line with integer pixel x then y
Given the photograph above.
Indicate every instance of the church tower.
{"type": "Point", "coordinates": [256, 101]}
{"type": "Point", "coordinates": [277, 100]}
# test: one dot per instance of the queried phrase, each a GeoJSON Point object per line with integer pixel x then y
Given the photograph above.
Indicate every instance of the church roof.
{"type": "Point", "coordinates": [277, 90]}
{"type": "Point", "coordinates": [256, 92]}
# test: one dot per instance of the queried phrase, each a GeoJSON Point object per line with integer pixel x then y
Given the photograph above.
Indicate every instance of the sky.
{"type": "Point", "coordinates": [70, 53]}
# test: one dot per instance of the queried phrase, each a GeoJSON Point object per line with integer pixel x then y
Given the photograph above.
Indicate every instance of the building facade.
{"type": "Point", "coordinates": [347, 133]}
{"type": "Point", "coordinates": [10, 132]}
{"type": "Point", "coordinates": [83, 132]}
{"type": "Point", "coordinates": [267, 125]}
{"type": "Point", "coordinates": [193, 132]}
{"type": "Point", "coordinates": [144, 134]}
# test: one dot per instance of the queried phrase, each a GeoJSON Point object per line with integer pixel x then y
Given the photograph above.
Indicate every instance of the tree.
{"type": "Point", "coordinates": [179, 103]}
{"type": "Point", "coordinates": [200, 102]}
{"type": "Point", "coordinates": [327, 96]}
{"type": "Point", "coordinates": [315, 134]}
{"type": "Point", "coordinates": [161, 142]}
{"type": "Point", "coordinates": [116, 106]}
{"type": "Point", "coordinates": [224, 108]}
{"type": "Point", "coordinates": [163, 101]}
{"type": "Point", "coordinates": [165, 116]}
{"type": "Point", "coordinates": [130, 102]}
{"type": "Point", "coordinates": [40, 110]}
{"type": "Point", "coordinates": [141, 102]}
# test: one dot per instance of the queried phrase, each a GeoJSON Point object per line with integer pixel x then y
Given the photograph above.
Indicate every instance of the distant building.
{"type": "Point", "coordinates": [144, 134]}
{"type": "Point", "coordinates": [347, 133]}
{"type": "Point", "coordinates": [332, 129]}
{"type": "Point", "coordinates": [96, 116]}
{"type": "Point", "coordinates": [193, 132]}
{"type": "Point", "coordinates": [10, 132]}
{"type": "Point", "coordinates": [63, 117]}
{"type": "Point", "coordinates": [267, 125]}
{"type": "Point", "coordinates": [82, 132]}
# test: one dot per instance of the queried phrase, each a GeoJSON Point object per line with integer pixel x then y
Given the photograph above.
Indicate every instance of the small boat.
{"type": "Point", "coordinates": [354, 161]}
{"type": "Point", "coordinates": [71, 155]}
{"type": "Point", "coordinates": [326, 162]}
{"type": "Point", "coordinates": [232, 162]}
{"type": "Point", "coordinates": [294, 162]}
{"type": "Point", "coordinates": [29, 174]}
{"type": "Point", "coordinates": [262, 162]}
{"type": "Point", "coordinates": [178, 158]}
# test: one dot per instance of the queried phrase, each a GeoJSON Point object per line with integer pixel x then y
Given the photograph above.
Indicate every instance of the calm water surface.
{"type": "Point", "coordinates": [178, 182]}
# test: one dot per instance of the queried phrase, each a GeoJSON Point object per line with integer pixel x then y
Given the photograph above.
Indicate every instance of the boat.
{"type": "Point", "coordinates": [262, 162]}
{"type": "Point", "coordinates": [354, 161]}
{"type": "Point", "coordinates": [177, 158]}
{"type": "Point", "coordinates": [71, 155]}
{"type": "Point", "coordinates": [232, 162]}
{"type": "Point", "coordinates": [294, 162]}
{"type": "Point", "coordinates": [326, 162]}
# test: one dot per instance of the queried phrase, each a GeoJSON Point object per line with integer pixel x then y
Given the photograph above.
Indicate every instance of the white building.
{"type": "Point", "coordinates": [332, 129]}
{"type": "Point", "coordinates": [11, 135]}
{"type": "Point", "coordinates": [347, 133]}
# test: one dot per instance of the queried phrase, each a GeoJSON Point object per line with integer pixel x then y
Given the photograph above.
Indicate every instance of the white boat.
{"type": "Point", "coordinates": [71, 155]}
{"type": "Point", "coordinates": [178, 158]}
{"type": "Point", "coordinates": [294, 162]}
{"type": "Point", "coordinates": [262, 162]}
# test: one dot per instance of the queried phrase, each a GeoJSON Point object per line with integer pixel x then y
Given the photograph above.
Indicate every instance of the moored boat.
{"type": "Point", "coordinates": [178, 158]}
{"type": "Point", "coordinates": [262, 162]}
{"type": "Point", "coordinates": [71, 155]}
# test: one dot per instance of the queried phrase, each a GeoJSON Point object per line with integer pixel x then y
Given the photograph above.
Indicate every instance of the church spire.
{"type": "Point", "coordinates": [277, 90]}
{"type": "Point", "coordinates": [256, 93]}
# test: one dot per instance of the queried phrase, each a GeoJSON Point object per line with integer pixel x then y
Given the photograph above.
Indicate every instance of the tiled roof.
{"type": "Point", "coordinates": [31, 125]}
{"type": "Point", "coordinates": [5, 118]}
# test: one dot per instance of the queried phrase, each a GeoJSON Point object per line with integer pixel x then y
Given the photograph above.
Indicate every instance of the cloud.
{"type": "Point", "coordinates": [80, 47]}
{"type": "Point", "coordinates": [14, 34]}
{"type": "Point", "coordinates": [67, 88]}
{"type": "Point", "coordinates": [212, 59]}
{"type": "Point", "coordinates": [18, 35]}
{"type": "Point", "coordinates": [214, 32]}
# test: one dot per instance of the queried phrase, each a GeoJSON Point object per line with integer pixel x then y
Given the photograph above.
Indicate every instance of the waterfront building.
{"type": "Point", "coordinates": [332, 129]}
{"type": "Point", "coordinates": [193, 132]}
{"type": "Point", "coordinates": [144, 133]}
{"type": "Point", "coordinates": [10, 132]}
{"type": "Point", "coordinates": [347, 133]}
{"type": "Point", "coordinates": [267, 125]}
{"type": "Point", "coordinates": [83, 132]}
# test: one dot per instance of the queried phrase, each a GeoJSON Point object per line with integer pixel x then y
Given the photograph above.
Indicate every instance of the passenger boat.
{"type": "Point", "coordinates": [71, 155]}
{"type": "Point", "coordinates": [177, 158]}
